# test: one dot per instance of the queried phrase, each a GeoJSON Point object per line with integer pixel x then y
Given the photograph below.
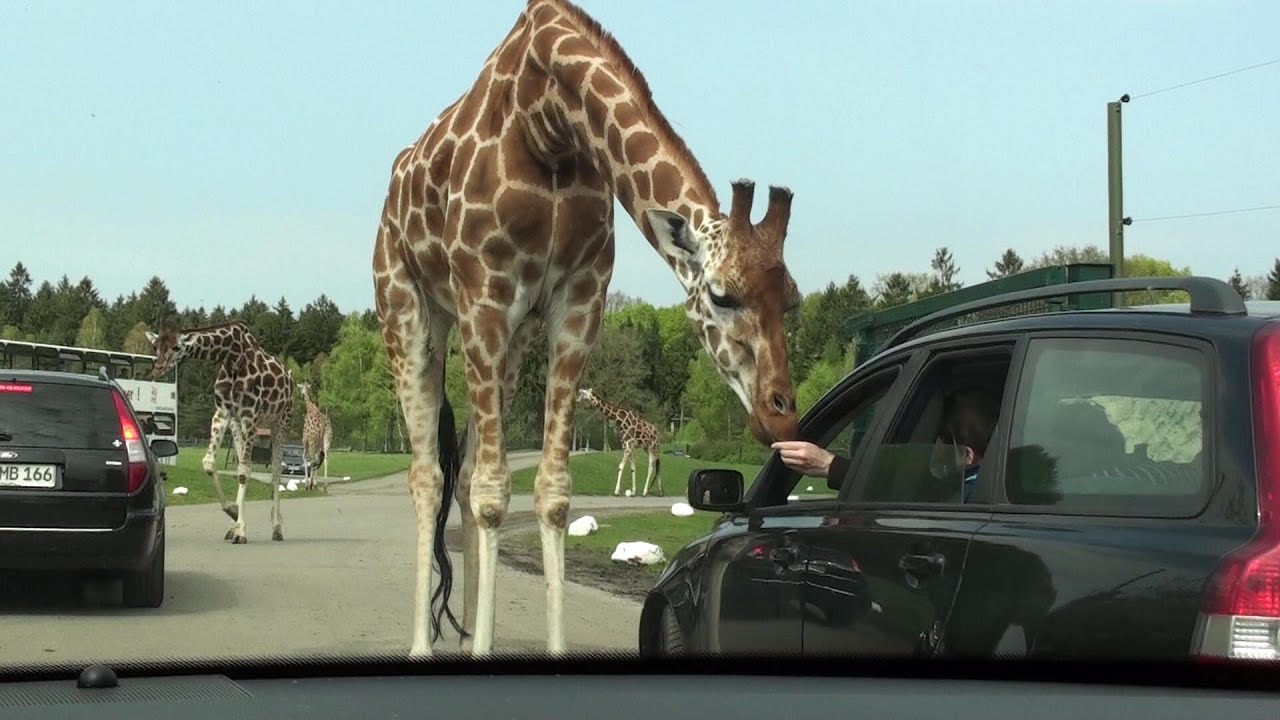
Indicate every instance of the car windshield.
{"type": "Point", "coordinates": [51, 415]}
{"type": "Point", "coordinates": [562, 326]}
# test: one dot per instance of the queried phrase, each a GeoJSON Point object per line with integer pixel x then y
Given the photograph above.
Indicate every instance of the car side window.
{"type": "Point", "coordinates": [839, 429]}
{"type": "Point", "coordinates": [935, 447]}
{"type": "Point", "coordinates": [1116, 425]}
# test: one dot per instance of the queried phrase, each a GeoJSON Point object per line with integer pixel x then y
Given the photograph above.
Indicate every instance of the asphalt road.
{"type": "Point", "coordinates": [340, 584]}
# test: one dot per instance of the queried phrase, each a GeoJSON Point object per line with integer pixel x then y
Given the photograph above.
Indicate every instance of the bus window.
{"type": "Point", "coordinates": [20, 360]}
{"type": "Point", "coordinates": [142, 369]}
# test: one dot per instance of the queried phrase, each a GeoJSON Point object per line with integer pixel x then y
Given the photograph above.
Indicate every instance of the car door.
{"type": "Point", "coordinates": [886, 562]}
{"type": "Point", "coordinates": [755, 566]}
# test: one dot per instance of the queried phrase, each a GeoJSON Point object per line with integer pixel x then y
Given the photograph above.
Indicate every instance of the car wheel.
{"type": "Point", "coordinates": [672, 642]}
{"type": "Point", "coordinates": [146, 588]}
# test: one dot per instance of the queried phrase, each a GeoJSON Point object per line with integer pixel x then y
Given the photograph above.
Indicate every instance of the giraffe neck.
{"type": "Point", "coordinates": [605, 99]}
{"type": "Point", "coordinates": [217, 344]}
{"type": "Point", "coordinates": [612, 412]}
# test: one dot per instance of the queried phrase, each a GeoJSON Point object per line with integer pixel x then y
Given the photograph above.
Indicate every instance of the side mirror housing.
{"type": "Point", "coordinates": [164, 448]}
{"type": "Point", "coordinates": [715, 490]}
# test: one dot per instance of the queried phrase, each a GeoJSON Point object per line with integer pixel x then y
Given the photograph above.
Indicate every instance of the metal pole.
{"type": "Point", "coordinates": [1115, 194]}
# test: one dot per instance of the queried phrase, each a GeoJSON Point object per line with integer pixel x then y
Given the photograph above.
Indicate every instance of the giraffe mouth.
{"type": "Point", "coordinates": [773, 427]}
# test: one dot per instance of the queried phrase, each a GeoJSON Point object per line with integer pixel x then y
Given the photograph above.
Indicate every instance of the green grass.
{"type": "Point", "coordinates": [188, 473]}
{"type": "Point", "coordinates": [659, 527]}
{"type": "Point", "coordinates": [595, 474]}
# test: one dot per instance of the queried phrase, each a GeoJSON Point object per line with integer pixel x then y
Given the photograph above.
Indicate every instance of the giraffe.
{"type": "Point", "coordinates": [252, 390]}
{"type": "Point", "coordinates": [317, 433]}
{"type": "Point", "coordinates": [635, 432]}
{"type": "Point", "coordinates": [499, 220]}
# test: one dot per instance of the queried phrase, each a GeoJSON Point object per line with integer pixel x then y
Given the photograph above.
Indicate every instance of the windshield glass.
{"type": "Point", "coordinates": [581, 316]}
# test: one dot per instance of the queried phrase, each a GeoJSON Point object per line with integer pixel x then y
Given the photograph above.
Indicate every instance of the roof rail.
{"type": "Point", "coordinates": [1209, 296]}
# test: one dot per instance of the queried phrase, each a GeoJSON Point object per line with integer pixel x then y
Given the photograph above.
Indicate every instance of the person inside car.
{"type": "Point", "coordinates": [969, 418]}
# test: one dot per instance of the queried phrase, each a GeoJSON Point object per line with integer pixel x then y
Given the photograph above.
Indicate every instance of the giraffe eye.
{"type": "Point", "coordinates": [725, 301]}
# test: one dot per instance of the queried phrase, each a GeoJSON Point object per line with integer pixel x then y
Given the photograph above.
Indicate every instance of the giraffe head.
{"type": "Point", "coordinates": [738, 289]}
{"type": "Point", "coordinates": [586, 395]}
{"type": "Point", "coordinates": [304, 388]}
{"type": "Point", "coordinates": [170, 345]}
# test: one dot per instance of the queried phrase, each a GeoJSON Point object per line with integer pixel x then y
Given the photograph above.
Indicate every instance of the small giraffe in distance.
{"type": "Point", "coordinates": [252, 390]}
{"type": "Point", "coordinates": [317, 434]}
{"type": "Point", "coordinates": [635, 433]}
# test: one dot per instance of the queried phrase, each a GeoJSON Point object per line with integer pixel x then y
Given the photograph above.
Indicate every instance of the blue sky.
{"type": "Point", "coordinates": [237, 148]}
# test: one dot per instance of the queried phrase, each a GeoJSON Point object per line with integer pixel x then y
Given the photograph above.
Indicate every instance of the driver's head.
{"type": "Point", "coordinates": [968, 419]}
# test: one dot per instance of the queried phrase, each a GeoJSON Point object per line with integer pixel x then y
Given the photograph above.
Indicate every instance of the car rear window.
{"type": "Point", "coordinates": [1109, 426]}
{"type": "Point", "coordinates": [57, 416]}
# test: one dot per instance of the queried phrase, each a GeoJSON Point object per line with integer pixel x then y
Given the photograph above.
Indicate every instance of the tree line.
{"type": "Point", "coordinates": [646, 358]}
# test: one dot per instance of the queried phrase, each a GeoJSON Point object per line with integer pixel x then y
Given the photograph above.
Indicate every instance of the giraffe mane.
{"type": "Point", "coordinates": [612, 52]}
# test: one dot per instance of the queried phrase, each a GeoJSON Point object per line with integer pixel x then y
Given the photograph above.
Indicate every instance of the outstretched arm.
{"type": "Point", "coordinates": [809, 459]}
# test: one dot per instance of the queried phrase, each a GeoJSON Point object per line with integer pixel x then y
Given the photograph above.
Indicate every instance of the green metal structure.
{"type": "Point", "coordinates": [872, 329]}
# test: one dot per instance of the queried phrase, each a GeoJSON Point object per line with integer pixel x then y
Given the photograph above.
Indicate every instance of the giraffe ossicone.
{"type": "Point", "coordinates": [499, 220]}
{"type": "Point", "coordinates": [253, 389]}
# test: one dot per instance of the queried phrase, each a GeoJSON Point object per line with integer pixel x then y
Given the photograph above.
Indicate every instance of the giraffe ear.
{"type": "Point", "coordinates": [152, 337]}
{"type": "Point", "coordinates": [676, 239]}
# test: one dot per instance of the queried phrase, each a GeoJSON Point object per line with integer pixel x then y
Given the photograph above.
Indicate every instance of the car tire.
{"type": "Point", "coordinates": [145, 588]}
{"type": "Point", "coordinates": [671, 641]}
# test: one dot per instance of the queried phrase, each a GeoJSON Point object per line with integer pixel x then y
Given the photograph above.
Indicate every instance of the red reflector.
{"type": "Point", "coordinates": [14, 388]}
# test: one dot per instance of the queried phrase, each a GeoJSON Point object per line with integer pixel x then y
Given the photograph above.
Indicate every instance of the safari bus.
{"type": "Point", "coordinates": [155, 401]}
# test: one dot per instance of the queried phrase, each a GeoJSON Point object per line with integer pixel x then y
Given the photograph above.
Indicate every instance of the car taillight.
{"type": "Point", "coordinates": [136, 468]}
{"type": "Point", "coordinates": [1241, 615]}
{"type": "Point", "coordinates": [15, 388]}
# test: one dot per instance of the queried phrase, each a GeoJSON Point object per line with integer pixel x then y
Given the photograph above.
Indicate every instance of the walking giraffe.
{"type": "Point", "coordinates": [317, 434]}
{"type": "Point", "coordinates": [500, 219]}
{"type": "Point", "coordinates": [635, 433]}
{"type": "Point", "coordinates": [252, 390]}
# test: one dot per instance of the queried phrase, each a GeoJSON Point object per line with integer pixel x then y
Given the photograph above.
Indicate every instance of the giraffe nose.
{"type": "Point", "coordinates": [782, 404]}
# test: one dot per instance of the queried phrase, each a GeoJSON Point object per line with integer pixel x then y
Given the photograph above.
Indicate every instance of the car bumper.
{"type": "Point", "coordinates": [293, 471]}
{"type": "Point", "coordinates": [128, 547]}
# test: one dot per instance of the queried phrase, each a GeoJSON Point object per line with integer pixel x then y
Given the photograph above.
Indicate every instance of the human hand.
{"type": "Point", "coordinates": [804, 457]}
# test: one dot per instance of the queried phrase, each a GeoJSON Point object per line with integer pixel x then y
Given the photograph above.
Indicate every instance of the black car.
{"type": "Point", "coordinates": [1127, 505]}
{"type": "Point", "coordinates": [293, 462]}
{"type": "Point", "coordinates": [80, 489]}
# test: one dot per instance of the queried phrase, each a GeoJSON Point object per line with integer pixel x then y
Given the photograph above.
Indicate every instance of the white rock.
{"type": "Point", "coordinates": [292, 486]}
{"type": "Point", "coordinates": [628, 492]}
{"type": "Point", "coordinates": [792, 497]}
{"type": "Point", "coordinates": [809, 489]}
{"type": "Point", "coordinates": [584, 525]}
{"type": "Point", "coordinates": [638, 553]}
{"type": "Point", "coordinates": [180, 490]}
{"type": "Point", "coordinates": [283, 488]}
{"type": "Point", "coordinates": [681, 509]}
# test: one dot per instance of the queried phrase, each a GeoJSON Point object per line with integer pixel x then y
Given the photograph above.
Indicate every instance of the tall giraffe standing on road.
{"type": "Point", "coordinates": [252, 390]}
{"type": "Point", "coordinates": [500, 219]}
{"type": "Point", "coordinates": [317, 434]}
{"type": "Point", "coordinates": [636, 433]}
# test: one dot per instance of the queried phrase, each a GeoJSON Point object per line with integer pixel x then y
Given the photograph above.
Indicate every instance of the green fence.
{"type": "Point", "coordinates": [873, 329]}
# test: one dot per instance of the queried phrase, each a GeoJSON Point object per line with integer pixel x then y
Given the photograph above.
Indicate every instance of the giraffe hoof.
{"type": "Point", "coordinates": [277, 535]}
{"type": "Point", "coordinates": [239, 540]}
{"type": "Point", "coordinates": [230, 534]}
{"type": "Point", "coordinates": [232, 512]}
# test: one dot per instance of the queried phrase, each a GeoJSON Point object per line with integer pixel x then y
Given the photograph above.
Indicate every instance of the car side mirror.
{"type": "Point", "coordinates": [715, 489]}
{"type": "Point", "coordinates": [164, 448]}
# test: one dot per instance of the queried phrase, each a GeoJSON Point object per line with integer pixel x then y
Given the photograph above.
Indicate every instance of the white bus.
{"type": "Point", "coordinates": [155, 401]}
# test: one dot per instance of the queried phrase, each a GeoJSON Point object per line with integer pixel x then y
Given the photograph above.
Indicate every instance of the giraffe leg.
{"type": "Point", "coordinates": [217, 431]}
{"type": "Point", "coordinates": [277, 450]}
{"type": "Point", "coordinates": [516, 352]}
{"type": "Point", "coordinates": [631, 455]}
{"type": "Point", "coordinates": [569, 339]}
{"type": "Point", "coordinates": [415, 343]}
{"type": "Point", "coordinates": [648, 478]}
{"type": "Point", "coordinates": [244, 450]}
{"type": "Point", "coordinates": [622, 464]}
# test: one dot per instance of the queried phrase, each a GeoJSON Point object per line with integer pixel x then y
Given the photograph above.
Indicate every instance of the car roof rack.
{"type": "Point", "coordinates": [1209, 296]}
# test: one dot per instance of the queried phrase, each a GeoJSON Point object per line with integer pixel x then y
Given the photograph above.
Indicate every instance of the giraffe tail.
{"type": "Point", "coordinates": [451, 466]}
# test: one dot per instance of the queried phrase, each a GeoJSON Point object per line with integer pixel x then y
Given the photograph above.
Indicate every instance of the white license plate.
{"type": "Point", "coordinates": [30, 476]}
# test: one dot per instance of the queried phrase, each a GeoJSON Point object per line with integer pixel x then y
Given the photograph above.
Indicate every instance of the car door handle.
{"type": "Point", "coordinates": [922, 563]}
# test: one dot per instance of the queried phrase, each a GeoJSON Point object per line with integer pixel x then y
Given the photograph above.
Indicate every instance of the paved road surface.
{"type": "Point", "coordinates": [340, 584]}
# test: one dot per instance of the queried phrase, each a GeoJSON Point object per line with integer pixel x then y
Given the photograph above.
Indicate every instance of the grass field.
{"type": "Point", "coordinates": [659, 527]}
{"type": "Point", "coordinates": [189, 474]}
{"type": "Point", "coordinates": [595, 474]}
